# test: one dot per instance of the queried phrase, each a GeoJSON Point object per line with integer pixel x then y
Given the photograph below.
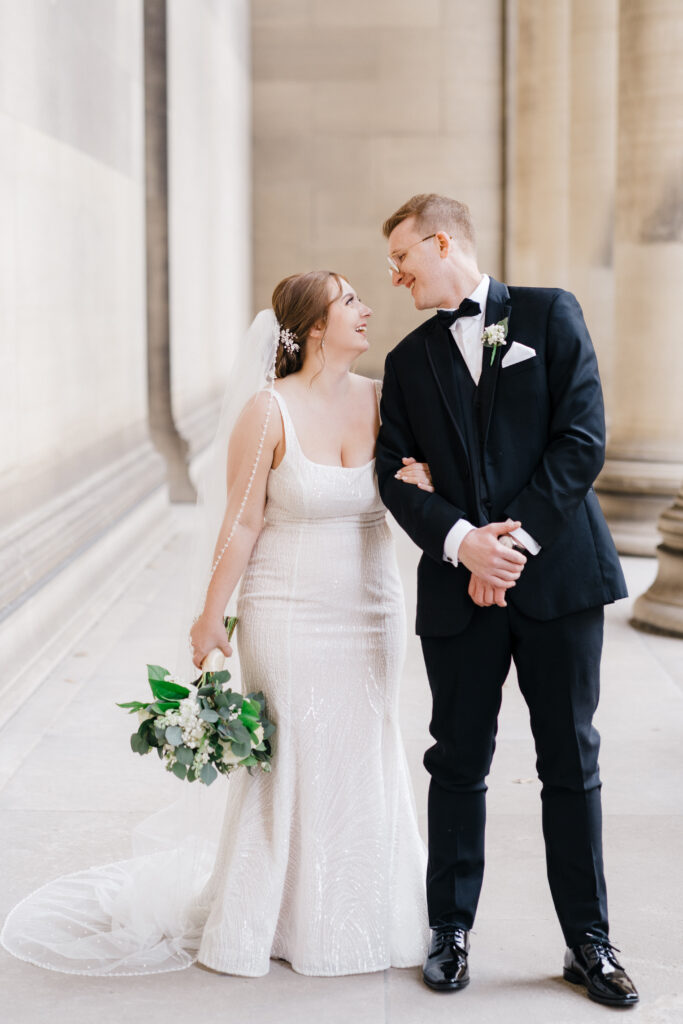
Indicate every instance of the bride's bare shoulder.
{"type": "Point", "coordinates": [259, 410]}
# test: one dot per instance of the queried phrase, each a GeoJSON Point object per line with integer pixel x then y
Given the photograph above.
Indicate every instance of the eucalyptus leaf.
{"type": "Point", "coordinates": [239, 733]}
{"type": "Point", "coordinates": [180, 770]}
{"type": "Point", "coordinates": [268, 730]}
{"type": "Point", "coordinates": [222, 676]}
{"type": "Point", "coordinates": [174, 735]}
{"type": "Point", "coordinates": [207, 774]}
{"type": "Point", "coordinates": [138, 743]}
{"type": "Point", "coordinates": [184, 754]}
{"type": "Point", "coordinates": [208, 715]}
{"type": "Point", "coordinates": [241, 750]}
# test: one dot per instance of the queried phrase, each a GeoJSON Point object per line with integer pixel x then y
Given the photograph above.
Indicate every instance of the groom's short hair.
{"type": "Point", "coordinates": [433, 212]}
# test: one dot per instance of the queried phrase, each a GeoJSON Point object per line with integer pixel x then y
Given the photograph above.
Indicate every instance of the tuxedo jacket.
{"type": "Point", "coordinates": [541, 445]}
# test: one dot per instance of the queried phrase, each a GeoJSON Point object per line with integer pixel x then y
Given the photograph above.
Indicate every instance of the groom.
{"type": "Point", "coordinates": [517, 565]}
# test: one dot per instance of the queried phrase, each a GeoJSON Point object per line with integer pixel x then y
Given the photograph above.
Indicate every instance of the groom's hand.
{"type": "Point", "coordinates": [495, 565]}
{"type": "Point", "coordinates": [485, 596]}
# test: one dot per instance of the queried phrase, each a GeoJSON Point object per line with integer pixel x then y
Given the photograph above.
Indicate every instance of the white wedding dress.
{"type": "Point", "coordinates": [319, 863]}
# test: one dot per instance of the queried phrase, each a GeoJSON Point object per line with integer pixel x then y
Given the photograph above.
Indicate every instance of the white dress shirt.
{"type": "Point", "coordinates": [467, 332]}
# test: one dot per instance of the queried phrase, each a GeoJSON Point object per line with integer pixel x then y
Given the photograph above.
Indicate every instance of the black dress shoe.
{"type": "Point", "coordinates": [594, 965]}
{"type": "Point", "coordinates": [445, 968]}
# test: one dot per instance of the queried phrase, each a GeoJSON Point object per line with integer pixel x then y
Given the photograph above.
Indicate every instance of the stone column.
{"type": "Point", "coordinates": [645, 448]}
{"type": "Point", "coordinates": [538, 164]}
{"type": "Point", "coordinates": [660, 609]}
{"type": "Point", "coordinates": [593, 139]}
{"type": "Point", "coordinates": [168, 441]}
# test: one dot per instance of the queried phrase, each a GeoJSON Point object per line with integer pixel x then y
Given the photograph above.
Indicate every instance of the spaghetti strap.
{"type": "Point", "coordinates": [291, 440]}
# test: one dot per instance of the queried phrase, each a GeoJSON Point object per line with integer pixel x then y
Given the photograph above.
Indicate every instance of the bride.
{"type": "Point", "coordinates": [320, 862]}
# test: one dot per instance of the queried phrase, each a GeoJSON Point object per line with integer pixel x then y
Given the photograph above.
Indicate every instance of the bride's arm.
{"type": "Point", "coordinates": [243, 520]}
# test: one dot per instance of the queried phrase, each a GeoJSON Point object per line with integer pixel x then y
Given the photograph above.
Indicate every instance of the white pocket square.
{"type": "Point", "coordinates": [517, 353]}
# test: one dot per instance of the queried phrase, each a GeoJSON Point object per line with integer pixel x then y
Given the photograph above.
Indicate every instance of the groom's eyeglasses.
{"type": "Point", "coordinates": [397, 258]}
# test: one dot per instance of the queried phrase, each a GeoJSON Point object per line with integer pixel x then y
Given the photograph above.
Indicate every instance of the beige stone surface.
{"type": "Point", "coordinates": [210, 190]}
{"type": "Point", "coordinates": [646, 435]}
{"type": "Point", "coordinates": [71, 202]}
{"type": "Point", "coordinates": [593, 122]}
{"type": "Point", "coordinates": [538, 162]}
{"type": "Point", "coordinates": [356, 108]}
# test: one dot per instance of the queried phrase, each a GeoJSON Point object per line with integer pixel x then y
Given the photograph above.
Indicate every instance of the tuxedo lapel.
{"type": "Point", "coordinates": [497, 308]}
{"type": "Point", "coordinates": [439, 358]}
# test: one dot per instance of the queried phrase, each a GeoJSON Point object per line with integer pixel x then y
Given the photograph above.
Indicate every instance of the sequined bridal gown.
{"type": "Point", "coordinates": [319, 863]}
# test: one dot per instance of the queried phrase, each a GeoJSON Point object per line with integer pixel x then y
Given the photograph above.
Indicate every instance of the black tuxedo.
{"type": "Point", "coordinates": [542, 432]}
{"type": "Point", "coordinates": [526, 443]}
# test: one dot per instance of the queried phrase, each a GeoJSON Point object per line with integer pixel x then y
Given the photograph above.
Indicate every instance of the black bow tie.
{"type": "Point", "coordinates": [468, 307]}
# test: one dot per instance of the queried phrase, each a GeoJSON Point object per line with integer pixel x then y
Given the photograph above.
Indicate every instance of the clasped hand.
{"type": "Point", "coordinates": [207, 633]}
{"type": "Point", "coordinates": [494, 567]}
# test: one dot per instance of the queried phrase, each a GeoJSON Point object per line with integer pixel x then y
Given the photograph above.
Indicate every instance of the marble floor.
{"type": "Point", "coordinates": [70, 791]}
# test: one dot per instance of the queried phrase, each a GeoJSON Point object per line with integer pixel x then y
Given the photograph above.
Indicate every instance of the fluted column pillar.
{"type": "Point", "coordinates": [645, 445]}
{"type": "Point", "coordinates": [593, 141]}
{"type": "Point", "coordinates": [538, 166]}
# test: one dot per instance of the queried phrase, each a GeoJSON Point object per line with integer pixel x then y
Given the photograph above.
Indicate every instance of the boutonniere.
{"type": "Point", "coordinates": [494, 337]}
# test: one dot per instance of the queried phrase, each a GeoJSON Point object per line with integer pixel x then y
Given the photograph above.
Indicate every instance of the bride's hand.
{"type": "Point", "coordinates": [416, 473]}
{"type": "Point", "coordinates": [206, 634]}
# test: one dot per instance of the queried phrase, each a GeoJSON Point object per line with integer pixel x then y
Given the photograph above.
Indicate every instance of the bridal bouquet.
{"type": "Point", "coordinates": [202, 730]}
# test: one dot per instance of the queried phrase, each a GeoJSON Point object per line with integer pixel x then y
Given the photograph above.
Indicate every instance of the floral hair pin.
{"type": "Point", "coordinates": [288, 340]}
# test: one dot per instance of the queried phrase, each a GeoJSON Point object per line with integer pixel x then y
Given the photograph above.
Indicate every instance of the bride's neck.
{"type": "Point", "coordinates": [328, 380]}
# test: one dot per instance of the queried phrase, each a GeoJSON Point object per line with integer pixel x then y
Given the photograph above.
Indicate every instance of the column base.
{"type": "Point", "coordinates": [660, 609]}
{"type": "Point", "coordinates": [633, 495]}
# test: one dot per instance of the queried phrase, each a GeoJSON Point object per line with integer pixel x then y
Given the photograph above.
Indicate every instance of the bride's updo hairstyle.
{"type": "Point", "coordinates": [300, 302]}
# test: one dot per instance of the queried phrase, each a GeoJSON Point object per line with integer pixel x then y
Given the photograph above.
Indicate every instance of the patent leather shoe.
{"type": "Point", "coordinates": [445, 968]}
{"type": "Point", "coordinates": [595, 965]}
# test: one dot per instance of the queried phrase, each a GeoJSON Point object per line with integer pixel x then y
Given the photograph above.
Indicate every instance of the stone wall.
{"type": "Point", "coordinates": [80, 482]}
{"type": "Point", "coordinates": [358, 106]}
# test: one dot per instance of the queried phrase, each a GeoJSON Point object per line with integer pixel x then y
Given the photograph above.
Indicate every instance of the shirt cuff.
{"type": "Point", "coordinates": [454, 538]}
{"type": "Point", "coordinates": [525, 539]}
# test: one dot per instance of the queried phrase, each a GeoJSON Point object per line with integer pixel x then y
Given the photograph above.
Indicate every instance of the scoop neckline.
{"type": "Point", "coordinates": [321, 465]}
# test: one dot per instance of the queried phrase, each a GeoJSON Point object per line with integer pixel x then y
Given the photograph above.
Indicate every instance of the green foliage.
{"type": "Point", "coordinates": [134, 705]}
{"type": "Point", "coordinates": [138, 744]}
{"type": "Point", "coordinates": [207, 774]}
{"type": "Point", "coordinates": [174, 735]}
{"type": "Point", "coordinates": [228, 718]}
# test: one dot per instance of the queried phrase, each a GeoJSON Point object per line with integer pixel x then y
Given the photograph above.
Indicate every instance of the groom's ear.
{"type": "Point", "coordinates": [445, 242]}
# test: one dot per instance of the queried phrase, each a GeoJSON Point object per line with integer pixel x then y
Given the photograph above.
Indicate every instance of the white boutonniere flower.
{"type": "Point", "coordinates": [494, 337]}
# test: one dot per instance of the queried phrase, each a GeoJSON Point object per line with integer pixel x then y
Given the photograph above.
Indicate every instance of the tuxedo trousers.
{"type": "Point", "coordinates": [558, 670]}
